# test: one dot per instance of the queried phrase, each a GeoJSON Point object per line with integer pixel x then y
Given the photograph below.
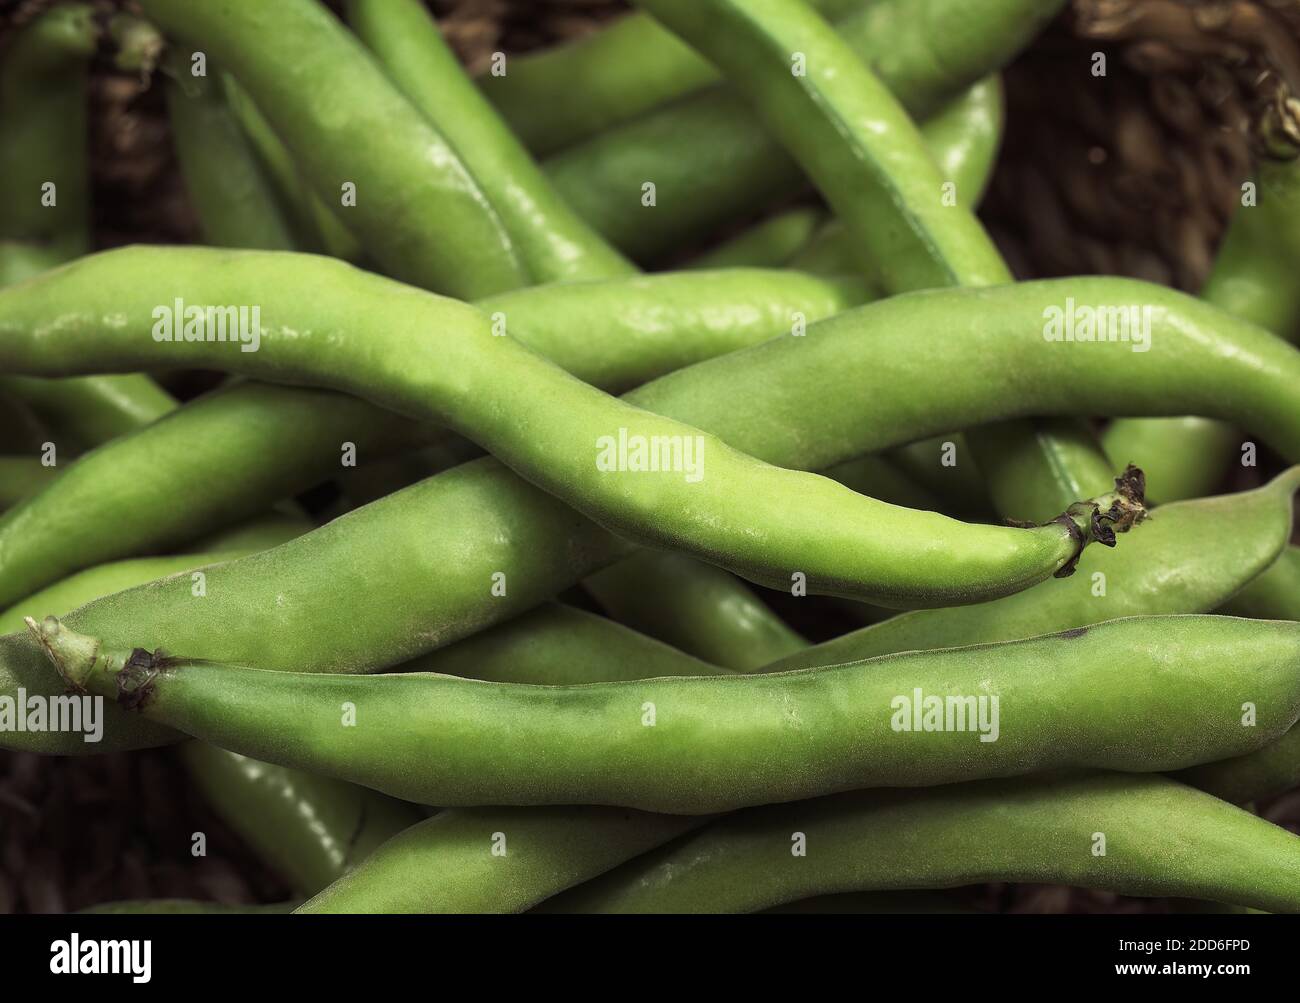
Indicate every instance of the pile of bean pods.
{"type": "Point", "coordinates": [484, 574]}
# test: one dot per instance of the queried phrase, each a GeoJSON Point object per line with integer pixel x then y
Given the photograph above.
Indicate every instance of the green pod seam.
{"type": "Point", "coordinates": [553, 242]}
{"type": "Point", "coordinates": [1187, 557]}
{"type": "Point", "coordinates": [325, 323]}
{"type": "Point", "coordinates": [1159, 837]}
{"type": "Point", "coordinates": [416, 209]}
{"type": "Point", "coordinates": [1144, 693]}
{"type": "Point", "coordinates": [162, 497]}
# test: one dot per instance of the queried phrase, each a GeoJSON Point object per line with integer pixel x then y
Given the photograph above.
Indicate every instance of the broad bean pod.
{"type": "Point", "coordinates": [1041, 829]}
{"type": "Point", "coordinates": [411, 187]}
{"type": "Point", "coordinates": [1146, 694]}
{"type": "Point", "coordinates": [325, 323]}
{"type": "Point", "coordinates": [161, 496]}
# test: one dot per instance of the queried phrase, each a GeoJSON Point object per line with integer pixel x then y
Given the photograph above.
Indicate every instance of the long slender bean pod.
{"type": "Point", "coordinates": [1134, 835]}
{"type": "Point", "coordinates": [768, 244]}
{"type": "Point", "coordinates": [234, 201]}
{"type": "Point", "coordinates": [494, 859]}
{"type": "Point", "coordinates": [601, 455]}
{"type": "Point", "coordinates": [987, 351]}
{"type": "Point", "coordinates": [910, 229]}
{"type": "Point", "coordinates": [1146, 694]}
{"type": "Point", "coordinates": [710, 617]}
{"type": "Point", "coordinates": [1252, 279]}
{"type": "Point", "coordinates": [162, 495]}
{"type": "Point", "coordinates": [553, 242]}
{"type": "Point", "coordinates": [557, 645]}
{"type": "Point", "coordinates": [417, 210]}
{"type": "Point", "coordinates": [21, 477]}
{"type": "Point", "coordinates": [1186, 557]}
{"type": "Point", "coordinates": [625, 69]}
{"type": "Point", "coordinates": [709, 158]}
{"type": "Point", "coordinates": [310, 830]}
{"type": "Point", "coordinates": [45, 206]}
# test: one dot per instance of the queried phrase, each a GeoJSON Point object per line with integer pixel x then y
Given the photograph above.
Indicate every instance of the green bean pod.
{"type": "Point", "coordinates": [711, 160]}
{"type": "Point", "coordinates": [625, 69]}
{"type": "Point", "coordinates": [557, 645]}
{"type": "Point", "coordinates": [417, 210]}
{"type": "Point", "coordinates": [1274, 594]}
{"type": "Point", "coordinates": [599, 454]}
{"type": "Point", "coordinates": [43, 131]}
{"type": "Point", "coordinates": [1145, 694]}
{"type": "Point", "coordinates": [553, 242]}
{"type": "Point", "coordinates": [43, 139]}
{"type": "Point", "coordinates": [161, 496]}
{"type": "Point", "coordinates": [1187, 557]}
{"type": "Point", "coordinates": [1252, 279]}
{"type": "Point", "coordinates": [21, 477]}
{"type": "Point", "coordinates": [234, 201]}
{"type": "Point", "coordinates": [310, 830]}
{"type": "Point", "coordinates": [494, 860]}
{"type": "Point", "coordinates": [1034, 468]}
{"type": "Point", "coordinates": [93, 409]}
{"type": "Point", "coordinates": [1133, 835]}
{"type": "Point", "coordinates": [846, 130]}
{"type": "Point", "coordinates": [963, 138]}
{"type": "Point", "coordinates": [768, 244]}
{"type": "Point", "coordinates": [711, 616]}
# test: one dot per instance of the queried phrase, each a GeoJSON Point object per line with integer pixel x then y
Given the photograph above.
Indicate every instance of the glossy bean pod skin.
{"type": "Point", "coordinates": [1252, 279]}
{"type": "Point", "coordinates": [627, 68]}
{"type": "Point", "coordinates": [411, 188]}
{"type": "Point", "coordinates": [504, 523]}
{"type": "Point", "coordinates": [1187, 557]}
{"type": "Point", "coordinates": [480, 860]}
{"type": "Point", "coordinates": [554, 243]}
{"type": "Point", "coordinates": [1038, 829]}
{"type": "Point", "coordinates": [161, 498]}
{"type": "Point", "coordinates": [710, 158]}
{"type": "Point", "coordinates": [43, 142]}
{"type": "Point", "coordinates": [584, 446]}
{"type": "Point", "coordinates": [310, 830]}
{"type": "Point", "coordinates": [1145, 693]}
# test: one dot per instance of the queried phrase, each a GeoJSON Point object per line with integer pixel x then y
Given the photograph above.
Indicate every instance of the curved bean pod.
{"type": "Point", "coordinates": [1187, 557]}
{"type": "Point", "coordinates": [712, 616]}
{"type": "Point", "coordinates": [21, 477]}
{"type": "Point", "coordinates": [711, 160]}
{"type": "Point", "coordinates": [1274, 594]}
{"type": "Point", "coordinates": [496, 524]}
{"type": "Point", "coordinates": [768, 244]}
{"type": "Point", "coordinates": [1146, 693]}
{"type": "Point", "coordinates": [417, 211]}
{"type": "Point", "coordinates": [377, 335]}
{"type": "Point", "coordinates": [848, 133]}
{"type": "Point", "coordinates": [625, 69]}
{"type": "Point", "coordinates": [162, 496]}
{"type": "Point", "coordinates": [1041, 830]}
{"type": "Point", "coordinates": [1252, 279]}
{"type": "Point", "coordinates": [310, 830]}
{"type": "Point", "coordinates": [553, 242]}
{"type": "Point", "coordinates": [235, 203]}
{"type": "Point", "coordinates": [43, 138]}
{"type": "Point", "coordinates": [556, 645]}
{"type": "Point", "coordinates": [494, 860]}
